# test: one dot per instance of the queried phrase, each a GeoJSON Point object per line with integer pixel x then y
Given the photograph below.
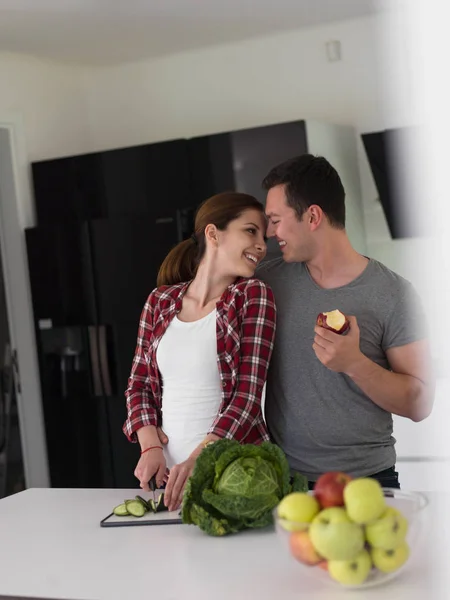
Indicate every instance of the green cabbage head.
{"type": "Point", "coordinates": [235, 487]}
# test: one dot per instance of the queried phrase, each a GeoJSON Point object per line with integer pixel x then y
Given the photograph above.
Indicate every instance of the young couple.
{"type": "Point", "coordinates": [210, 330]}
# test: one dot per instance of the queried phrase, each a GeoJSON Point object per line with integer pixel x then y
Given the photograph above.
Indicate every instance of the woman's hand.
{"type": "Point", "coordinates": [151, 463]}
{"type": "Point", "coordinates": [179, 474]}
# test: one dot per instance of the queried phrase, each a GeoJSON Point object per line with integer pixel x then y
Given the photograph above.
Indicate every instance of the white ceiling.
{"type": "Point", "coordinates": [113, 31]}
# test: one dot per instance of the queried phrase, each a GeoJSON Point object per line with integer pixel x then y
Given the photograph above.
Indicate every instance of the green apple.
{"type": "Point", "coordinates": [335, 536]}
{"type": "Point", "coordinates": [388, 561]}
{"type": "Point", "coordinates": [297, 510]}
{"type": "Point", "coordinates": [353, 571]}
{"type": "Point", "coordinates": [389, 531]}
{"type": "Point", "coordinates": [364, 500]}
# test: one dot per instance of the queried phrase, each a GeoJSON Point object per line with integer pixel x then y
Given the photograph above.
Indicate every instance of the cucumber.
{"type": "Point", "coordinates": [159, 504]}
{"type": "Point", "coordinates": [144, 503]}
{"type": "Point", "coordinates": [135, 508]}
{"type": "Point", "coordinates": [138, 507]}
{"type": "Point", "coordinates": [121, 510]}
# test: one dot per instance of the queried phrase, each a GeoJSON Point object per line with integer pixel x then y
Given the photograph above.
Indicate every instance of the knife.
{"type": "Point", "coordinates": [152, 486]}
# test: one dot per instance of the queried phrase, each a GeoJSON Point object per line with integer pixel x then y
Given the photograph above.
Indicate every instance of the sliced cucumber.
{"type": "Point", "coordinates": [135, 508]}
{"type": "Point", "coordinates": [121, 510]}
{"type": "Point", "coordinates": [138, 507]}
{"type": "Point", "coordinates": [159, 504]}
{"type": "Point", "coordinates": [144, 503]}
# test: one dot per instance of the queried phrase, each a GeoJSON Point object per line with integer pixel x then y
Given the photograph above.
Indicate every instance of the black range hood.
{"type": "Point", "coordinates": [393, 172]}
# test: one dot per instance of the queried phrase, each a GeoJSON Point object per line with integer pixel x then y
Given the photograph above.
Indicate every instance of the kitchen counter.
{"type": "Point", "coordinates": [52, 546]}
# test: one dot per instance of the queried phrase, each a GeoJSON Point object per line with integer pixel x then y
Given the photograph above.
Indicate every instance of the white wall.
{"type": "Point", "coordinates": [279, 78]}
{"type": "Point", "coordinates": [48, 102]}
{"type": "Point", "coordinates": [337, 143]}
{"type": "Point", "coordinates": [50, 99]}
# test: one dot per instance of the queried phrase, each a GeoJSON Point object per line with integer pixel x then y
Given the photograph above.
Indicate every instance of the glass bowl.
{"type": "Point", "coordinates": [411, 504]}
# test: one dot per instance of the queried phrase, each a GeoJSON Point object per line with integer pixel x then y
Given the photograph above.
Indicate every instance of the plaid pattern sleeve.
{"type": "Point", "coordinates": [255, 310]}
{"type": "Point", "coordinates": [142, 409]}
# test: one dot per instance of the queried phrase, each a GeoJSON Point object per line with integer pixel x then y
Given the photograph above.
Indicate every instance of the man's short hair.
{"type": "Point", "coordinates": [309, 180]}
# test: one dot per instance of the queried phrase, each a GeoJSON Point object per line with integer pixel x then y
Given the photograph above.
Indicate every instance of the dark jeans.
{"type": "Point", "coordinates": [387, 478]}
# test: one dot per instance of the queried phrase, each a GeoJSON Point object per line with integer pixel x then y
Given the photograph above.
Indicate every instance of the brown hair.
{"type": "Point", "coordinates": [308, 180]}
{"type": "Point", "coordinates": [182, 261]}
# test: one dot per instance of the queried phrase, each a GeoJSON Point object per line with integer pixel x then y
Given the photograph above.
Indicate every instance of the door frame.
{"type": "Point", "coordinates": [17, 213]}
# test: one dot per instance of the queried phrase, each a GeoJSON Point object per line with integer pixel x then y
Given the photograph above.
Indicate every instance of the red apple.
{"type": "Point", "coordinates": [329, 488]}
{"type": "Point", "coordinates": [302, 549]}
{"type": "Point", "coordinates": [323, 565]}
{"type": "Point", "coordinates": [334, 321]}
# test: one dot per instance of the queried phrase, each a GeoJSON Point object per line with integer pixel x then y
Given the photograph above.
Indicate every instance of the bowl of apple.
{"type": "Point", "coordinates": [351, 531]}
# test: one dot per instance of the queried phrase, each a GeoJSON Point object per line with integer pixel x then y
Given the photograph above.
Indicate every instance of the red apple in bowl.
{"type": "Point", "coordinates": [329, 488]}
{"type": "Point", "coordinates": [302, 548]}
{"type": "Point", "coordinates": [334, 321]}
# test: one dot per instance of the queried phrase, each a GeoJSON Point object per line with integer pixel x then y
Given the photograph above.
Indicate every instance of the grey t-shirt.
{"type": "Point", "coordinates": [321, 419]}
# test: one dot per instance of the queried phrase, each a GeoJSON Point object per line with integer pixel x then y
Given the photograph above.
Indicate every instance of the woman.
{"type": "Point", "coordinates": [204, 344]}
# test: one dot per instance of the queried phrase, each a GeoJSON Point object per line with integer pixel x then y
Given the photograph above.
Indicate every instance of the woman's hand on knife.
{"type": "Point", "coordinates": [151, 463]}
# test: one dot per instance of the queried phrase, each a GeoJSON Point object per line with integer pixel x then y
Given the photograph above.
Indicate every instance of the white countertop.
{"type": "Point", "coordinates": [52, 546]}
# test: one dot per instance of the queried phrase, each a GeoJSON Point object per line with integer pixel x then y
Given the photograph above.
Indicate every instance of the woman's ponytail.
{"type": "Point", "coordinates": [180, 264]}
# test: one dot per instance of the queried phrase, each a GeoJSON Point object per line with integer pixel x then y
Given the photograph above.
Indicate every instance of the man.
{"type": "Point", "coordinates": [330, 398]}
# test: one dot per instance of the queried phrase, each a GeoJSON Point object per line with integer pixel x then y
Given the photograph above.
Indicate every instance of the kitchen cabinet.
{"type": "Point", "coordinates": [152, 179]}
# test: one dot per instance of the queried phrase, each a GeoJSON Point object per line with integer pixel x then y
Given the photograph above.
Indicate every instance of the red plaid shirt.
{"type": "Point", "coordinates": [245, 328]}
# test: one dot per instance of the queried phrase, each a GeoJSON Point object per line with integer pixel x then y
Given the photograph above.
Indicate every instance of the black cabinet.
{"type": "Point", "coordinates": [97, 272]}
{"type": "Point", "coordinates": [68, 190]}
{"type": "Point", "coordinates": [152, 179]}
{"type": "Point", "coordinates": [126, 256]}
{"type": "Point", "coordinates": [239, 160]}
{"type": "Point", "coordinates": [59, 268]}
{"type": "Point", "coordinates": [257, 150]}
{"type": "Point", "coordinates": [210, 166]}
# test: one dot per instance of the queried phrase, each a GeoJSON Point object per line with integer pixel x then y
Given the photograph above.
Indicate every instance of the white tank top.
{"type": "Point", "coordinates": [192, 391]}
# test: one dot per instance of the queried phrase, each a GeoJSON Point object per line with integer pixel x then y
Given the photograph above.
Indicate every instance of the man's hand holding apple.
{"type": "Point", "coordinates": [339, 353]}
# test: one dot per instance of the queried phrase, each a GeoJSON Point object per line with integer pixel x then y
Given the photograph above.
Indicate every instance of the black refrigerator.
{"type": "Point", "coordinates": [89, 282]}
{"type": "Point", "coordinates": [105, 222]}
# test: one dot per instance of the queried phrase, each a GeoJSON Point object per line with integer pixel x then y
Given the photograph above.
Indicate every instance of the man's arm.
{"type": "Point", "coordinates": [408, 389]}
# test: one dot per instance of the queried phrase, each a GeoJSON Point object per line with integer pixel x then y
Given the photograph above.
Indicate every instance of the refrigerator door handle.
{"type": "Point", "coordinates": [95, 362]}
{"type": "Point", "coordinates": [104, 363]}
